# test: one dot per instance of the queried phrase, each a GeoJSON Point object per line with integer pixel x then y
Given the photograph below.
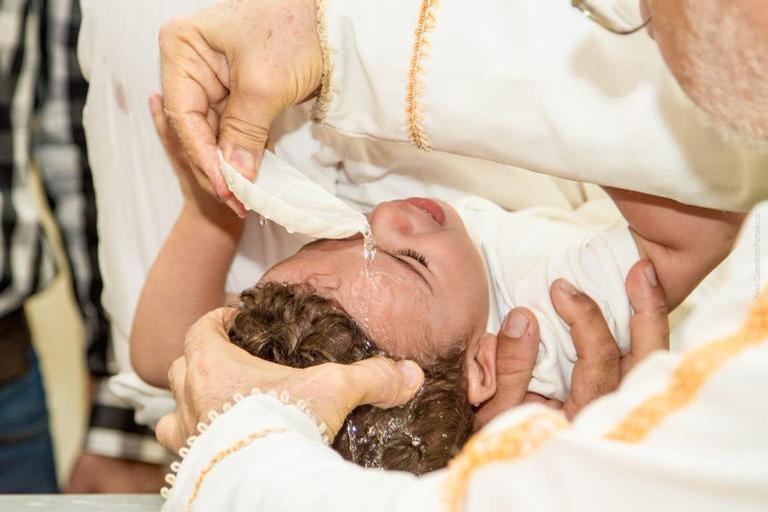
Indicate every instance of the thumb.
{"type": "Point", "coordinates": [245, 120]}
{"type": "Point", "coordinates": [518, 346]}
{"type": "Point", "coordinates": [516, 353]}
{"type": "Point", "coordinates": [169, 432]}
{"type": "Point", "coordinates": [385, 383]}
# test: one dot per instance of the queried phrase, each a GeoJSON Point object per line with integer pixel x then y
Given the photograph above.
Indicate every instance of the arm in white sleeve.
{"type": "Point", "coordinates": [297, 470]}
{"type": "Point", "coordinates": [530, 84]}
{"type": "Point", "coordinates": [668, 440]}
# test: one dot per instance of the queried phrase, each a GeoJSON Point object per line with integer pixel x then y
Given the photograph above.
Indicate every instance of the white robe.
{"type": "Point", "coordinates": [534, 85]}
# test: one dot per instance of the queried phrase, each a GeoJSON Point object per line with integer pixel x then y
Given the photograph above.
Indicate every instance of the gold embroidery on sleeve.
{"type": "Point", "coordinates": [415, 87]}
{"type": "Point", "coordinates": [202, 427]}
{"type": "Point", "coordinates": [323, 102]}
{"type": "Point", "coordinates": [690, 376]}
{"type": "Point", "coordinates": [234, 448]}
{"type": "Point", "coordinates": [686, 380]}
{"type": "Point", "coordinates": [517, 441]}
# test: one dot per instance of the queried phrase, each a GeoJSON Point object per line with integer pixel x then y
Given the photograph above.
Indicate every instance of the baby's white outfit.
{"type": "Point", "coordinates": [525, 251]}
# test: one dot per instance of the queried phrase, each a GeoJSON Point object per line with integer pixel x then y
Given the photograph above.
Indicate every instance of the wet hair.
{"type": "Point", "coordinates": [291, 324]}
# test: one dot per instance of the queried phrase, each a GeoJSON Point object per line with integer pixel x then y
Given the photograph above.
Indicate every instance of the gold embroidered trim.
{"type": "Point", "coordinates": [202, 427]}
{"type": "Point", "coordinates": [415, 86]}
{"type": "Point", "coordinates": [323, 102]}
{"type": "Point", "coordinates": [687, 379]}
{"type": "Point", "coordinates": [234, 448]}
{"type": "Point", "coordinates": [517, 441]}
{"type": "Point", "coordinates": [690, 376]}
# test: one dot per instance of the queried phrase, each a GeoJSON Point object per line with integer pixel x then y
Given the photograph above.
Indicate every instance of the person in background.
{"type": "Point", "coordinates": [42, 94]}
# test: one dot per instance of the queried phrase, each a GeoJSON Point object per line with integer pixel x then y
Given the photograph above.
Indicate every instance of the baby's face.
{"type": "Point", "coordinates": [427, 289]}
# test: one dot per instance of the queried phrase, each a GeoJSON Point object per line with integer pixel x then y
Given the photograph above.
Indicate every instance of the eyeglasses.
{"type": "Point", "coordinates": [621, 17]}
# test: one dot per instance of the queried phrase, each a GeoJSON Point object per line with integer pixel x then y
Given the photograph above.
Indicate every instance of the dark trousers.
{"type": "Point", "coordinates": [26, 451]}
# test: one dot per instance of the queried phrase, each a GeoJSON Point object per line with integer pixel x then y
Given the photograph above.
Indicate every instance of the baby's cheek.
{"type": "Point", "coordinates": [468, 287]}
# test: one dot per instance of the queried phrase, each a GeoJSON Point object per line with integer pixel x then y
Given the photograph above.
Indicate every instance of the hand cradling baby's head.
{"type": "Point", "coordinates": [292, 324]}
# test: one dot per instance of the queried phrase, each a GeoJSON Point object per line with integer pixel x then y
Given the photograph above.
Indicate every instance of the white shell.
{"type": "Point", "coordinates": [288, 197]}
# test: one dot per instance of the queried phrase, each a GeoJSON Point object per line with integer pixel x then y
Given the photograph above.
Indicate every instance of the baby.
{"type": "Point", "coordinates": [443, 277]}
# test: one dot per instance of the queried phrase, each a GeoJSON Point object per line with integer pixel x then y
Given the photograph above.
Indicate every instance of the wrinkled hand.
{"type": "Point", "coordinates": [600, 366]}
{"type": "Point", "coordinates": [212, 370]}
{"type": "Point", "coordinates": [228, 72]}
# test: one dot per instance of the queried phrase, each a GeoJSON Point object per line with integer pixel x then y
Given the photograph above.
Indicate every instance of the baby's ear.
{"type": "Point", "coordinates": [481, 369]}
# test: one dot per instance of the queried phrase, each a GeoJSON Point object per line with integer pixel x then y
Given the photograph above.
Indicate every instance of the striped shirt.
{"type": "Point", "coordinates": [26, 259]}
{"type": "Point", "coordinates": [42, 94]}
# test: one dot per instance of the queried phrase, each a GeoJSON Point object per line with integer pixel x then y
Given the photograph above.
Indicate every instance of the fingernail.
{"type": "Point", "coordinates": [515, 325]}
{"type": "Point", "coordinates": [411, 372]}
{"type": "Point", "coordinates": [243, 160]}
{"type": "Point", "coordinates": [650, 275]}
{"type": "Point", "coordinates": [568, 287]}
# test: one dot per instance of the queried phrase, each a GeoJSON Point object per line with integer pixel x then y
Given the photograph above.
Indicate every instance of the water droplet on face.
{"type": "Point", "coordinates": [369, 252]}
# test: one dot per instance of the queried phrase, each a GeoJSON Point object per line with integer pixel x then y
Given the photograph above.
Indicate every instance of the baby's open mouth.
{"type": "Point", "coordinates": [430, 207]}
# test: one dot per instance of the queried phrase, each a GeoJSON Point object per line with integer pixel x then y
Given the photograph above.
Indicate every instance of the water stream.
{"type": "Point", "coordinates": [369, 251]}
{"type": "Point", "coordinates": [376, 437]}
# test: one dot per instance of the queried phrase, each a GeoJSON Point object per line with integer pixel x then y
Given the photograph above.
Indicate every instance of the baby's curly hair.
{"type": "Point", "coordinates": [291, 324]}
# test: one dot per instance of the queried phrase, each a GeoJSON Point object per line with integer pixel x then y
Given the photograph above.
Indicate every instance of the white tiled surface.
{"type": "Point", "coordinates": [80, 503]}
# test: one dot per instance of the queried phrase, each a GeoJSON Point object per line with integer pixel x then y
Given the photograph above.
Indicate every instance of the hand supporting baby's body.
{"type": "Point", "coordinates": [596, 265]}
{"type": "Point", "coordinates": [526, 251]}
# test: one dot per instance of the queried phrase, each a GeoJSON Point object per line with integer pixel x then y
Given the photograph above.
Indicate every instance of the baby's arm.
{"type": "Point", "coordinates": [187, 278]}
{"type": "Point", "coordinates": [684, 243]}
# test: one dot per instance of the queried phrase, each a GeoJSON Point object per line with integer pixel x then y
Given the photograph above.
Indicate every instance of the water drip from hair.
{"type": "Point", "coordinates": [377, 437]}
{"type": "Point", "coordinates": [369, 252]}
{"type": "Point", "coordinates": [262, 221]}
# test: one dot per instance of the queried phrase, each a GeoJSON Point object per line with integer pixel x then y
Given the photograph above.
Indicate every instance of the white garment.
{"type": "Point", "coordinates": [526, 251]}
{"type": "Point", "coordinates": [532, 84]}
{"type": "Point", "coordinates": [709, 455]}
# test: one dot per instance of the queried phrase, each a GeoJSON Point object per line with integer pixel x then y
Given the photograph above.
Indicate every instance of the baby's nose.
{"type": "Point", "coordinates": [390, 220]}
{"type": "Point", "coordinates": [397, 220]}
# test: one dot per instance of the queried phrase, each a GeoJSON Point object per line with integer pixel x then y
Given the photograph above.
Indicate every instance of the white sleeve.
{"type": "Point", "coordinates": [294, 469]}
{"type": "Point", "coordinates": [668, 440]}
{"type": "Point", "coordinates": [529, 84]}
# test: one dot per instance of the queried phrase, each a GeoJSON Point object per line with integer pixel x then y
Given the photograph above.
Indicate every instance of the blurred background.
{"type": "Point", "coordinates": [58, 336]}
{"type": "Point", "coordinates": [60, 427]}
